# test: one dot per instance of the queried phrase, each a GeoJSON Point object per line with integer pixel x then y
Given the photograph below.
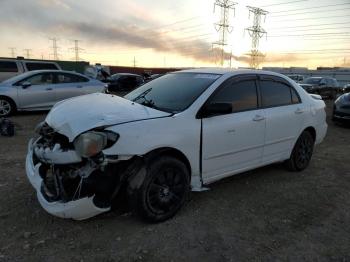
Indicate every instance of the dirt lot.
{"type": "Point", "coordinates": [265, 215]}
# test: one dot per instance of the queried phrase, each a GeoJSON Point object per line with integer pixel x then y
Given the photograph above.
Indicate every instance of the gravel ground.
{"type": "Point", "coordinates": [267, 214]}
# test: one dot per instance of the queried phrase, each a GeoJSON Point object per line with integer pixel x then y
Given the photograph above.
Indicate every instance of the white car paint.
{"type": "Point", "coordinates": [230, 143]}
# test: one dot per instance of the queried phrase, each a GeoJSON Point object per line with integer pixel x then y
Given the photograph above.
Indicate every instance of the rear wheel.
{"type": "Point", "coordinates": [163, 191]}
{"type": "Point", "coordinates": [302, 152]}
{"type": "Point", "coordinates": [7, 107]}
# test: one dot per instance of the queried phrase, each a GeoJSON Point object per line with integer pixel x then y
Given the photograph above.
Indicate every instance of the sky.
{"type": "Point", "coordinates": [167, 33]}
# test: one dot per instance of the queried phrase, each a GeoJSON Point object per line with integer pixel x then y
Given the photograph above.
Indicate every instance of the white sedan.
{"type": "Point", "coordinates": [181, 131]}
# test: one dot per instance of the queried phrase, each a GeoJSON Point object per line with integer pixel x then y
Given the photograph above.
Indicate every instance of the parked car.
{"type": "Point", "coordinates": [124, 82]}
{"type": "Point", "coordinates": [323, 86]}
{"type": "Point", "coordinates": [297, 78]}
{"type": "Point", "coordinates": [184, 130]}
{"type": "Point", "coordinates": [11, 67]}
{"type": "Point", "coordinates": [346, 88]}
{"type": "Point", "coordinates": [341, 109]}
{"type": "Point", "coordinates": [41, 89]}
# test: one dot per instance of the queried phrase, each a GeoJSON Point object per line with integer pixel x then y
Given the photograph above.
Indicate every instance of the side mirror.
{"type": "Point", "coordinates": [322, 84]}
{"type": "Point", "coordinates": [26, 84]}
{"type": "Point", "coordinates": [214, 109]}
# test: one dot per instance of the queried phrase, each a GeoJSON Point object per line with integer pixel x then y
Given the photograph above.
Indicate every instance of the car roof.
{"type": "Point", "coordinates": [230, 71]}
{"type": "Point", "coordinates": [126, 74]}
{"type": "Point", "coordinates": [53, 71]}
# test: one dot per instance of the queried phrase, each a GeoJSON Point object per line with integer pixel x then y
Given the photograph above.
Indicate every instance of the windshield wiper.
{"type": "Point", "coordinates": [142, 95]}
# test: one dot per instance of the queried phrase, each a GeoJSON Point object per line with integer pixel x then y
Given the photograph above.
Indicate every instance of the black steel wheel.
{"type": "Point", "coordinates": [164, 189]}
{"type": "Point", "coordinates": [302, 152]}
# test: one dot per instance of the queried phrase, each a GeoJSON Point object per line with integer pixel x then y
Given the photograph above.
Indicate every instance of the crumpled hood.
{"type": "Point", "coordinates": [76, 115]}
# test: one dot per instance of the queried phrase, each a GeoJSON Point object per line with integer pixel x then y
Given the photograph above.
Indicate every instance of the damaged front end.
{"type": "Point", "coordinates": [75, 179]}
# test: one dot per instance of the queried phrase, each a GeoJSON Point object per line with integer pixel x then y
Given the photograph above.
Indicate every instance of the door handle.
{"type": "Point", "coordinates": [258, 118]}
{"type": "Point", "coordinates": [79, 86]}
{"type": "Point", "coordinates": [299, 111]}
{"type": "Point", "coordinates": [48, 88]}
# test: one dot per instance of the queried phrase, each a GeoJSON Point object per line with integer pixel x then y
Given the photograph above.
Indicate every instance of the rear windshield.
{"type": "Point", "coordinates": [312, 81]}
{"type": "Point", "coordinates": [172, 92]}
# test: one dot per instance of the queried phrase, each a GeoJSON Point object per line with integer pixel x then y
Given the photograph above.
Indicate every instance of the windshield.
{"type": "Point", "coordinates": [172, 92]}
{"type": "Point", "coordinates": [115, 77]}
{"type": "Point", "coordinates": [312, 81]}
{"type": "Point", "coordinates": [16, 78]}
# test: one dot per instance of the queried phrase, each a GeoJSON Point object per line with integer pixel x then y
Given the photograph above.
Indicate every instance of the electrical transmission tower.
{"type": "Point", "coordinates": [13, 52]}
{"type": "Point", "coordinates": [256, 32]}
{"type": "Point", "coordinates": [54, 48]}
{"type": "Point", "coordinates": [27, 52]}
{"type": "Point", "coordinates": [76, 50]}
{"type": "Point", "coordinates": [223, 27]}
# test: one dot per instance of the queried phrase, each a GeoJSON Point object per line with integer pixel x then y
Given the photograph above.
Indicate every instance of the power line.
{"type": "Point", "coordinates": [320, 29]}
{"type": "Point", "coordinates": [256, 32]}
{"type": "Point", "coordinates": [314, 7]}
{"type": "Point", "coordinates": [13, 51]}
{"type": "Point", "coordinates": [321, 34]}
{"type": "Point", "coordinates": [285, 3]}
{"type": "Point", "coordinates": [54, 48]}
{"type": "Point", "coordinates": [27, 52]}
{"type": "Point", "coordinates": [307, 18]}
{"type": "Point", "coordinates": [313, 12]}
{"type": "Point", "coordinates": [302, 26]}
{"type": "Point", "coordinates": [223, 26]}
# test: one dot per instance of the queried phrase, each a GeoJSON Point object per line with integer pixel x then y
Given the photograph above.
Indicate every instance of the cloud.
{"type": "Point", "coordinates": [54, 4]}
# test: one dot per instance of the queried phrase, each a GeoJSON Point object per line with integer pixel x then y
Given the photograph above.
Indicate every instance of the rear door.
{"type": "Point", "coordinates": [235, 141]}
{"type": "Point", "coordinates": [284, 114]}
{"type": "Point", "coordinates": [40, 93]}
{"type": "Point", "coordinates": [70, 85]}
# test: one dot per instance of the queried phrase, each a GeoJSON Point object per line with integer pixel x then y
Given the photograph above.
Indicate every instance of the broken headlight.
{"type": "Point", "coordinates": [91, 143]}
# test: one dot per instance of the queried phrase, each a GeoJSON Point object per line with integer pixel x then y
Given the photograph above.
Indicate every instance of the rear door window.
{"type": "Point", "coordinates": [65, 78]}
{"type": "Point", "coordinates": [274, 93]}
{"type": "Point", "coordinates": [40, 66]}
{"type": "Point", "coordinates": [8, 66]}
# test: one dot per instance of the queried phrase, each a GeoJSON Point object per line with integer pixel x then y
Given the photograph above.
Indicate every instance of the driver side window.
{"type": "Point", "coordinates": [39, 79]}
{"type": "Point", "coordinates": [241, 95]}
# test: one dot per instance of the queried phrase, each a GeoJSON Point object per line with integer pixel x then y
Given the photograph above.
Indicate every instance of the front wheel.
{"type": "Point", "coordinates": [302, 152]}
{"type": "Point", "coordinates": [163, 191]}
{"type": "Point", "coordinates": [7, 107]}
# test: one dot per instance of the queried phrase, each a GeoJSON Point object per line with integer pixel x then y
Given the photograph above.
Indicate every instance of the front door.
{"type": "Point", "coordinates": [39, 94]}
{"type": "Point", "coordinates": [233, 142]}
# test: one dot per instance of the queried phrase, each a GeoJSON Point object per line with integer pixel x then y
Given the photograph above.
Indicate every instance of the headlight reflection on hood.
{"type": "Point", "coordinates": [91, 143]}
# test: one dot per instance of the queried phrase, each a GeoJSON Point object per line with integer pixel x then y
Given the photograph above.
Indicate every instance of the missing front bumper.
{"type": "Point", "coordinates": [79, 209]}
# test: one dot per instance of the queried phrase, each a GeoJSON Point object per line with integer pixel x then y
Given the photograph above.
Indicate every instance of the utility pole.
{"type": "Point", "coordinates": [223, 26]}
{"type": "Point", "coordinates": [27, 52]}
{"type": "Point", "coordinates": [134, 61]}
{"type": "Point", "coordinates": [54, 48]}
{"type": "Point", "coordinates": [256, 32]}
{"type": "Point", "coordinates": [76, 50]}
{"type": "Point", "coordinates": [13, 52]}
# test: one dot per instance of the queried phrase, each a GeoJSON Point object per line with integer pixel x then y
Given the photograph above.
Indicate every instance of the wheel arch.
{"type": "Point", "coordinates": [312, 131]}
{"type": "Point", "coordinates": [170, 151]}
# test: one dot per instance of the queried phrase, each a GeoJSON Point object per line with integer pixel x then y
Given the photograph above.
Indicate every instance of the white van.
{"type": "Point", "coordinates": [10, 67]}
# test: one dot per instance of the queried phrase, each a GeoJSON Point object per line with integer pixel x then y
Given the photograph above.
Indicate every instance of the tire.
{"type": "Point", "coordinates": [7, 107]}
{"type": "Point", "coordinates": [163, 191]}
{"type": "Point", "coordinates": [302, 152]}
